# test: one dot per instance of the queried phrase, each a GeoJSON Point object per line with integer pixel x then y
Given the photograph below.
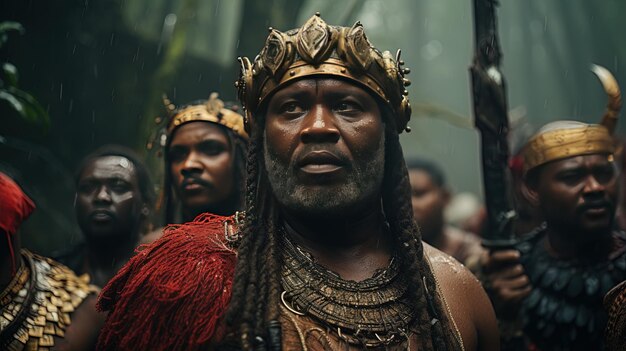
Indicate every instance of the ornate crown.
{"type": "Point", "coordinates": [319, 49]}
{"type": "Point", "coordinates": [563, 139]}
{"type": "Point", "coordinates": [213, 110]}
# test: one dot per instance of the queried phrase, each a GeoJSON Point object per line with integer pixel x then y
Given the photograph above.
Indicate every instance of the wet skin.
{"type": "Point", "coordinates": [201, 167]}
{"type": "Point", "coordinates": [324, 142]}
{"type": "Point", "coordinates": [324, 154]}
{"type": "Point", "coordinates": [108, 199]}
{"type": "Point", "coordinates": [578, 198]}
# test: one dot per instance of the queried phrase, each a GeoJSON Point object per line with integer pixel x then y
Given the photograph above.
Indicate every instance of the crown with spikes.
{"type": "Point", "coordinates": [318, 49]}
{"type": "Point", "coordinates": [213, 110]}
{"type": "Point", "coordinates": [564, 139]}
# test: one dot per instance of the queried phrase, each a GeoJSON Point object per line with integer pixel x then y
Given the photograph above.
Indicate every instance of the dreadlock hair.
{"type": "Point", "coordinates": [237, 148]}
{"type": "Point", "coordinates": [253, 311]}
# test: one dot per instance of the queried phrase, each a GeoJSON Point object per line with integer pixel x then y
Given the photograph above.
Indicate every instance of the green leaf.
{"type": "Point", "coordinates": [9, 25]}
{"type": "Point", "coordinates": [9, 74]}
{"type": "Point", "coordinates": [12, 101]}
{"type": "Point", "coordinates": [6, 27]}
{"type": "Point", "coordinates": [26, 106]}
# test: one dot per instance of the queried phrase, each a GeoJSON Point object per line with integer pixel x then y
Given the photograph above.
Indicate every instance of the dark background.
{"type": "Point", "coordinates": [99, 69]}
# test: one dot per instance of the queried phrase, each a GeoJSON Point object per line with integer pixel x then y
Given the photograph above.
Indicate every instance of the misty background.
{"type": "Point", "coordinates": [99, 69]}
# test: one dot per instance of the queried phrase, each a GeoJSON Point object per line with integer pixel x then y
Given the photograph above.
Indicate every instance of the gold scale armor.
{"type": "Point", "coordinates": [37, 304]}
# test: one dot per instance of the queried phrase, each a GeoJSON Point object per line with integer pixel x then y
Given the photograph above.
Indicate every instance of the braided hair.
{"type": "Point", "coordinates": [254, 308]}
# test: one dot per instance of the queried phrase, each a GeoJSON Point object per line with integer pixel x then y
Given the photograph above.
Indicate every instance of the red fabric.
{"type": "Point", "coordinates": [173, 293]}
{"type": "Point", "coordinates": [15, 206]}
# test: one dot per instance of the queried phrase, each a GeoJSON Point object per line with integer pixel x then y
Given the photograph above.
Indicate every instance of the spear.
{"type": "Point", "coordinates": [491, 119]}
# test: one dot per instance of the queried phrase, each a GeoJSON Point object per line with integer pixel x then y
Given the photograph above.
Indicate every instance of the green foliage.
{"type": "Point", "coordinates": [22, 103]}
{"type": "Point", "coordinates": [6, 27]}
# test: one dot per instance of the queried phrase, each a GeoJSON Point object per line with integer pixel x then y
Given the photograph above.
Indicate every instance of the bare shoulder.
{"type": "Point", "coordinates": [466, 301]}
{"type": "Point", "coordinates": [82, 333]}
{"type": "Point", "coordinates": [150, 237]}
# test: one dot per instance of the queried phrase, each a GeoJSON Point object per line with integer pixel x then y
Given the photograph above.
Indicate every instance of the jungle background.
{"type": "Point", "coordinates": [98, 69]}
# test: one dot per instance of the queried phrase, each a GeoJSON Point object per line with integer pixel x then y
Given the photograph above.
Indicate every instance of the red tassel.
{"type": "Point", "coordinates": [173, 293]}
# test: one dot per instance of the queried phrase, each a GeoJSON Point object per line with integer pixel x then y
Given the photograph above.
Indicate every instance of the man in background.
{"type": "Point", "coordinates": [114, 200]}
{"type": "Point", "coordinates": [429, 198]}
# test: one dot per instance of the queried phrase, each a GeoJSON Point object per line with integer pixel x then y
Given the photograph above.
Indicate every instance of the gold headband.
{"type": "Point", "coordinates": [563, 143]}
{"type": "Point", "coordinates": [317, 49]}
{"type": "Point", "coordinates": [212, 111]}
{"type": "Point", "coordinates": [559, 143]}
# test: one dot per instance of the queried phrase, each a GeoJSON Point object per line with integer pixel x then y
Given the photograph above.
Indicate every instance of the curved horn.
{"type": "Point", "coordinates": [614, 105]}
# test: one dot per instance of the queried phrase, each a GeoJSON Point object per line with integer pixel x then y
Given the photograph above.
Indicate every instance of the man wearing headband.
{"type": "Point", "coordinates": [204, 160]}
{"type": "Point", "coordinates": [328, 256]}
{"type": "Point", "coordinates": [204, 152]}
{"type": "Point", "coordinates": [43, 304]}
{"type": "Point", "coordinates": [559, 273]}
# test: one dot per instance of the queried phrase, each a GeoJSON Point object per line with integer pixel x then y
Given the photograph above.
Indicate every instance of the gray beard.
{"type": "Point", "coordinates": [363, 183]}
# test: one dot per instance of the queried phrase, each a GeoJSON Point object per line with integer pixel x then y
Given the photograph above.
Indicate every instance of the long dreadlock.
{"type": "Point", "coordinates": [254, 308]}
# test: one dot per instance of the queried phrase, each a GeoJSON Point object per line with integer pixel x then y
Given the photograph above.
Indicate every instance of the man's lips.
{"type": "Point", "coordinates": [194, 184]}
{"type": "Point", "coordinates": [320, 162]}
{"type": "Point", "coordinates": [101, 215]}
{"type": "Point", "coordinates": [596, 208]}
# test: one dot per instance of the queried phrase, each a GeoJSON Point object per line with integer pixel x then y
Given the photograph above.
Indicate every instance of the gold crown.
{"type": "Point", "coordinates": [552, 145]}
{"type": "Point", "coordinates": [317, 49]}
{"type": "Point", "coordinates": [211, 111]}
{"type": "Point", "coordinates": [564, 139]}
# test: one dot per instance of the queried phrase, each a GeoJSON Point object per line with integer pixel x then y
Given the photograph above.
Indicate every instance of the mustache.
{"type": "Point", "coordinates": [196, 180]}
{"type": "Point", "coordinates": [307, 149]}
{"type": "Point", "coordinates": [590, 204]}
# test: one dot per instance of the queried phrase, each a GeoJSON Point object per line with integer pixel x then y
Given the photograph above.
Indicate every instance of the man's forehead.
{"type": "Point", "coordinates": [581, 161]}
{"type": "Point", "coordinates": [319, 82]}
{"type": "Point", "coordinates": [110, 167]}
{"type": "Point", "coordinates": [197, 131]}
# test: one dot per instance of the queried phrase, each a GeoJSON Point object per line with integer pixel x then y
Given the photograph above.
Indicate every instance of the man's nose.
{"type": "Point", "coordinates": [103, 194]}
{"type": "Point", "coordinates": [191, 163]}
{"type": "Point", "coordinates": [319, 125]}
{"type": "Point", "coordinates": [592, 185]}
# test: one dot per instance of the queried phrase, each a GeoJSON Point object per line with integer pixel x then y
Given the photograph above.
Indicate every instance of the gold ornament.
{"type": "Point", "coordinates": [212, 111]}
{"type": "Point", "coordinates": [318, 49]}
{"type": "Point", "coordinates": [564, 139]}
{"type": "Point", "coordinates": [36, 306]}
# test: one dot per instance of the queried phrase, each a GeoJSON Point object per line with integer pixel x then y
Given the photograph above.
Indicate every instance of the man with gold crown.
{"type": "Point", "coordinates": [204, 147]}
{"type": "Point", "coordinates": [558, 274]}
{"type": "Point", "coordinates": [328, 256]}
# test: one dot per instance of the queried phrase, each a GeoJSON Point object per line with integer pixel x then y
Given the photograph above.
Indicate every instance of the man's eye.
{"type": "Point", "coordinates": [120, 187]}
{"type": "Point", "coordinates": [176, 155]}
{"type": "Point", "coordinates": [347, 107]}
{"type": "Point", "coordinates": [86, 188]}
{"type": "Point", "coordinates": [604, 175]}
{"type": "Point", "coordinates": [212, 149]}
{"type": "Point", "coordinates": [571, 178]}
{"type": "Point", "coordinates": [291, 107]}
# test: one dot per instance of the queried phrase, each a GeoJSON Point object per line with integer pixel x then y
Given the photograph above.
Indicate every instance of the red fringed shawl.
{"type": "Point", "coordinates": [173, 293]}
